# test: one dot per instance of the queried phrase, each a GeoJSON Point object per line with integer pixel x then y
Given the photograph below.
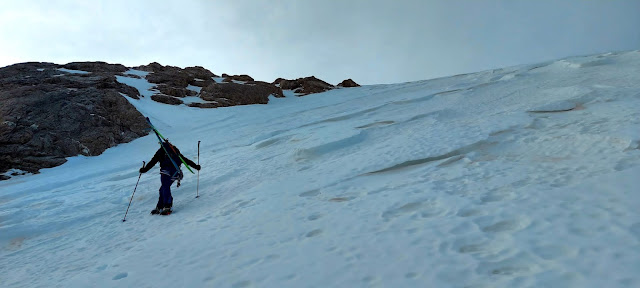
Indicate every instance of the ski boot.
{"type": "Point", "coordinates": [165, 211]}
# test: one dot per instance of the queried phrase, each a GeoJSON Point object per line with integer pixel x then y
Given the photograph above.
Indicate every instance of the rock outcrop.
{"type": "Point", "coordinates": [174, 91]}
{"type": "Point", "coordinates": [304, 86]}
{"type": "Point", "coordinates": [177, 77]}
{"type": "Point", "coordinates": [201, 76]}
{"type": "Point", "coordinates": [151, 67]}
{"type": "Point", "coordinates": [199, 72]}
{"type": "Point", "coordinates": [240, 78]}
{"type": "Point", "coordinates": [348, 83]}
{"type": "Point", "coordinates": [172, 76]}
{"type": "Point", "coordinates": [96, 67]}
{"type": "Point", "coordinates": [47, 115]}
{"type": "Point", "coordinates": [204, 105]}
{"type": "Point", "coordinates": [166, 99]}
{"type": "Point", "coordinates": [173, 81]}
{"type": "Point", "coordinates": [230, 94]}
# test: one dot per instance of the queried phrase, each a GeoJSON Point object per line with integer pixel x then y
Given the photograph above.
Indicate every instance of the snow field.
{"type": "Point", "coordinates": [516, 177]}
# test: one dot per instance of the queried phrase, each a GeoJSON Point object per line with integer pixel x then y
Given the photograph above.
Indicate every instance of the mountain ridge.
{"type": "Point", "coordinates": [31, 143]}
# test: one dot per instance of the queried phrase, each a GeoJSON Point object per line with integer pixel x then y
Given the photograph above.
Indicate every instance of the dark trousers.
{"type": "Point", "coordinates": [165, 199]}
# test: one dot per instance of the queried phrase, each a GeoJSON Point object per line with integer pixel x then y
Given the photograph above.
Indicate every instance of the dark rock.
{"type": "Point", "coordinates": [96, 67]}
{"type": "Point", "coordinates": [199, 72]}
{"type": "Point", "coordinates": [172, 76]}
{"type": "Point", "coordinates": [173, 81]}
{"type": "Point", "coordinates": [305, 86]}
{"type": "Point", "coordinates": [175, 76]}
{"type": "Point", "coordinates": [204, 105]}
{"type": "Point", "coordinates": [289, 84]}
{"type": "Point", "coordinates": [133, 76]}
{"type": "Point", "coordinates": [277, 81]}
{"type": "Point", "coordinates": [241, 78]}
{"type": "Point", "coordinates": [49, 115]}
{"type": "Point", "coordinates": [129, 91]}
{"type": "Point", "coordinates": [229, 94]}
{"type": "Point", "coordinates": [176, 92]}
{"type": "Point", "coordinates": [204, 83]}
{"type": "Point", "coordinates": [348, 83]}
{"type": "Point", "coordinates": [166, 99]}
{"type": "Point", "coordinates": [314, 85]}
{"type": "Point", "coordinates": [152, 67]}
{"type": "Point", "coordinates": [268, 87]}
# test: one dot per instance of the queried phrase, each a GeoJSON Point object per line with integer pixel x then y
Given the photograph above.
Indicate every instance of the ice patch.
{"type": "Point", "coordinates": [143, 86]}
{"type": "Point", "coordinates": [194, 88]}
{"type": "Point", "coordinates": [289, 93]}
{"type": "Point", "coordinates": [140, 73]}
{"type": "Point", "coordinates": [73, 71]}
{"type": "Point", "coordinates": [193, 99]}
{"type": "Point", "coordinates": [507, 77]}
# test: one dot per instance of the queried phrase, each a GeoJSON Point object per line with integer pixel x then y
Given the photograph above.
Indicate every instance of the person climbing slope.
{"type": "Point", "coordinates": [169, 156]}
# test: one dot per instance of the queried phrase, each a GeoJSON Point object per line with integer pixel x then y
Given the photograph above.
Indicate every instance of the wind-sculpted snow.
{"type": "Point", "coordinates": [518, 177]}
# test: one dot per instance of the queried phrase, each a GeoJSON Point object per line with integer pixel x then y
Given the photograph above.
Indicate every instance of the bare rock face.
{"type": "Point", "coordinates": [199, 72]}
{"type": "Point", "coordinates": [204, 105]}
{"type": "Point", "coordinates": [47, 115]}
{"type": "Point", "coordinates": [201, 76]}
{"type": "Point", "coordinates": [171, 76]}
{"type": "Point", "coordinates": [198, 83]}
{"type": "Point", "coordinates": [152, 67]}
{"type": "Point", "coordinates": [314, 85]}
{"type": "Point", "coordinates": [166, 99]}
{"type": "Point", "coordinates": [348, 83]}
{"type": "Point", "coordinates": [229, 94]}
{"type": "Point", "coordinates": [175, 92]}
{"type": "Point", "coordinates": [96, 67]}
{"type": "Point", "coordinates": [304, 86]}
{"type": "Point", "coordinates": [128, 90]}
{"type": "Point", "coordinates": [241, 78]}
{"type": "Point", "coordinates": [278, 81]}
{"type": "Point", "coordinates": [177, 78]}
{"type": "Point", "coordinates": [267, 87]}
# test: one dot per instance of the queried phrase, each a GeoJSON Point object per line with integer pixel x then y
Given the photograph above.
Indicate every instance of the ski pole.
{"type": "Point", "coordinates": [198, 185]}
{"type": "Point", "coordinates": [134, 193]}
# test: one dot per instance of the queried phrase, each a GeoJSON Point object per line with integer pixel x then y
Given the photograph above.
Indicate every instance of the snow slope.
{"type": "Point", "coordinates": [518, 177]}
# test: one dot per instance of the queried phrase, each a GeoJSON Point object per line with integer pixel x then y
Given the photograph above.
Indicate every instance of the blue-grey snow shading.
{"type": "Point", "coordinates": [73, 71]}
{"type": "Point", "coordinates": [452, 182]}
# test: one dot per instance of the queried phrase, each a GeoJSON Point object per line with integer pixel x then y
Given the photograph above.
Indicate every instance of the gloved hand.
{"type": "Point", "coordinates": [197, 167]}
{"type": "Point", "coordinates": [143, 170]}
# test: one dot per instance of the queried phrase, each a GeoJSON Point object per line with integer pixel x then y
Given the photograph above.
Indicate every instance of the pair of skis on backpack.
{"type": "Point", "coordinates": [161, 139]}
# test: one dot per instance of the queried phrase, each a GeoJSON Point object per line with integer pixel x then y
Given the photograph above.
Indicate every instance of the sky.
{"type": "Point", "coordinates": [370, 41]}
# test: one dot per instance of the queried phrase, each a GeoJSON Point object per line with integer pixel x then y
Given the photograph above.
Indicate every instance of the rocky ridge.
{"type": "Point", "coordinates": [50, 112]}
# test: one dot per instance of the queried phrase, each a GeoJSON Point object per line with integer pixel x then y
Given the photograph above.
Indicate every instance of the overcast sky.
{"type": "Point", "coordinates": [370, 41]}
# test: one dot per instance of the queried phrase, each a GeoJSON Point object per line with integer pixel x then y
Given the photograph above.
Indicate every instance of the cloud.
{"type": "Point", "coordinates": [370, 41]}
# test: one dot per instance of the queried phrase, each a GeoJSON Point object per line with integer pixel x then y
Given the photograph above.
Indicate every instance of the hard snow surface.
{"type": "Point", "coordinates": [518, 177]}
